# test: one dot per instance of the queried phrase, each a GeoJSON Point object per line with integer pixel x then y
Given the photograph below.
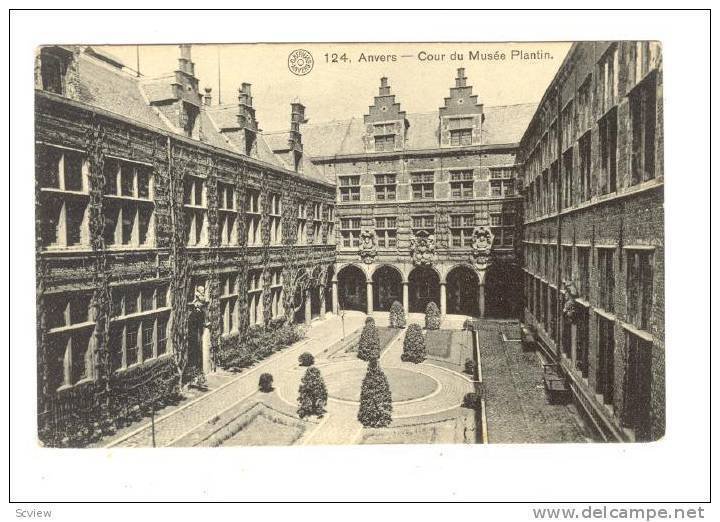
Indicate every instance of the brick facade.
{"type": "Point", "coordinates": [607, 209]}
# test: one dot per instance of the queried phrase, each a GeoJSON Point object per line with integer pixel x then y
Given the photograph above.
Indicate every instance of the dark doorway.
{"type": "Point", "coordinates": [462, 291]}
{"type": "Point", "coordinates": [387, 287]}
{"type": "Point", "coordinates": [299, 305]}
{"type": "Point", "coordinates": [352, 289]}
{"type": "Point", "coordinates": [195, 327]}
{"type": "Point", "coordinates": [424, 288]}
{"type": "Point", "coordinates": [315, 302]}
{"type": "Point", "coordinates": [503, 291]}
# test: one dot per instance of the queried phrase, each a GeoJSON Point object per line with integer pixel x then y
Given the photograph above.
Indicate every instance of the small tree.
{"type": "Point", "coordinates": [397, 315]}
{"type": "Point", "coordinates": [414, 349]}
{"type": "Point", "coordinates": [369, 344]}
{"type": "Point", "coordinates": [306, 359]}
{"type": "Point", "coordinates": [375, 398]}
{"type": "Point", "coordinates": [266, 383]}
{"type": "Point", "coordinates": [432, 316]}
{"type": "Point", "coordinates": [312, 395]}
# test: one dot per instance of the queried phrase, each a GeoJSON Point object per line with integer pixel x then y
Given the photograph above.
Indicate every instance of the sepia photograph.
{"type": "Point", "coordinates": [419, 261]}
{"type": "Point", "coordinates": [299, 244]}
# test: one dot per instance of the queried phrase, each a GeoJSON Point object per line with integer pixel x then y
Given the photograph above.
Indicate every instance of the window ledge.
{"type": "Point", "coordinates": [71, 327]}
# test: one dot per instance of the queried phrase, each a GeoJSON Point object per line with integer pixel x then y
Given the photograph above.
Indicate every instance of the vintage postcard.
{"type": "Point", "coordinates": [364, 243]}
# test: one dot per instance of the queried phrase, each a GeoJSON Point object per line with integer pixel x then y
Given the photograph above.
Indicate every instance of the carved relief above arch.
{"type": "Point", "coordinates": [368, 246]}
{"type": "Point", "coordinates": [422, 248]}
{"type": "Point", "coordinates": [482, 246]}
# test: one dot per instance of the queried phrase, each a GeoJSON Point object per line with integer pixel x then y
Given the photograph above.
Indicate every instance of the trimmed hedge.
{"type": "Point", "coordinates": [432, 316]}
{"type": "Point", "coordinates": [266, 383]}
{"type": "Point", "coordinates": [397, 315]}
{"type": "Point", "coordinates": [414, 349]}
{"type": "Point", "coordinates": [306, 359]}
{"type": "Point", "coordinates": [312, 394]}
{"type": "Point", "coordinates": [375, 398]}
{"type": "Point", "coordinates": [369, 344]}
{"type": "Point", "coordinates": [259, 342]}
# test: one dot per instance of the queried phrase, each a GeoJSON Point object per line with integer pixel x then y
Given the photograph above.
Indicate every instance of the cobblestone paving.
{"type": "Point", "coordinates": [177, 424]}
{"type": "Point", "coordinates": [516, 407]}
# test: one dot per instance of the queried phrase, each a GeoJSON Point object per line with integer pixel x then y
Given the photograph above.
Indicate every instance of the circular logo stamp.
{"type": "Point", "coordinates": [300, 62]}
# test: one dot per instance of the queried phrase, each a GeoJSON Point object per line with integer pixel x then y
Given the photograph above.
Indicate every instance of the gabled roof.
{"type": "Point", "coordinates": [105, 85]}
{"type": "Point", "coordinates": [503, 125]}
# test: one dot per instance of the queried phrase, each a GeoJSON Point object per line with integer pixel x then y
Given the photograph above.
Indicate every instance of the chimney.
{"type": "Point", "coordinates": [246, 117]}
{"type": "Point", "coordinates": [185, 63]}
{"type": "Point", "coordinates": [384, 87]}
{"type": "Point", "coordinates": [208, 96]}
{"type": "Point", "coordinates": [461, 80]}
{"type": "Point", "coordinates": [297, 117]}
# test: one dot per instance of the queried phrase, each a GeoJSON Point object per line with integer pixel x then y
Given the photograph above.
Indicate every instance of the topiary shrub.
{"type": "Point", "coordinates": [266, 383]}
{"type": "Point", "coordinates": [414, 349]}
{"type": "Point", "coordinates": [306, 359]}
{"type": "Point", "coordinates": [375, 398]}
{"type": "Point", "coordinates": [369, 344]}
{"type": "Point", "coordinates": [469, 366]}
{"type": "Point", "coordinates": [469, 324]}
{"type": "Point", "coordinates": [472, 400]}
{"type": "Point", "coordinates": [397, 315]}
{"type": "Point", "coordinates": [432, 316]}
{"type": "Point", "coordinates": [312, 394]}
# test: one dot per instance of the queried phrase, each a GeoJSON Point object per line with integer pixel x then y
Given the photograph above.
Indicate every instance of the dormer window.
{"type": "Point", "coordinates": [384, 137]}
{"type": "Point", "coordinates": [461, 137]}
{"type": "Point", "coordinates": [53, 66]}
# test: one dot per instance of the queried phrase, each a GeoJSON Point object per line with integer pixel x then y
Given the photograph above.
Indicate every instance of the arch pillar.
{"type": "Point", "coordinates": [369, 297]}
{"type": "Point", "coordinates": [406, 295]}
{"type": "Point", "coordinates": [481, 292]}
{"type": "Point", "coordinates": [335, 305]}
{"type": "Point", "coordinates": [443, 298]}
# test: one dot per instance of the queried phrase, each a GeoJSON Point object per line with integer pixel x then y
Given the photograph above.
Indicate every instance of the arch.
{"type": "Point", "coordinates": [503, 291]}
{"type": "Point", "coordinates": [463, 291]}
{"type": "Point", "coordinates": [352, 288]}
{"type": "Point", "coordinates": [301, 289]}
{"type": "Point", "coordinates": [424, 287]}
{"type": "Point", "coordinates": [387, 287]}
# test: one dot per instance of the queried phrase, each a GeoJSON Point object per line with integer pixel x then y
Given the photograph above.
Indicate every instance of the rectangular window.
{"type": "Point", "coordinates": [131, 343]}
{"type": "Point", "coordinates": [608, 152]}
{"type": "Point", "coordinates": [584, 146]}
{"type": "Point", "coordinates": [64, 197]}
{"type": "Point", "coordinates": [608, 79]}
{"type": "Point", "coordinates": [643, 117]}
{"type": "Point", "coordinates": [639, 292]}
{"type": "Point", "coordinates": [386, 232]}
{"type": "Point", "coordinates": [385, 187]}
{"type": "Point", "coordinates": [253, 232]}
{"type": "Point", "coordinates": [349, 188]}
{"type": "Point", "coordinates": [423, 185]}
{"type": "Point", "coordinates": [461, 137]}
{"type": "Point", "coordinates": [636, 406]}
{"type": "Point", "coordinates": [350, 232]}
{"type": "Point", "coordinates": [461, 184]}
{"type": "Point", "coordinates": [161, 336]}
{"type": "Point", "coordinates": [385, 143]}
{"type": "Point", "coordinates": [148, 331]}
{"type": "Point", "coordinates": [583, 267]}
{"type": "Point", "coordinates": [606, 359]}
{"type": "Point", "coordinates": [423, 223]}
{"type": "Point", "coordinates": [567, 182]}
{"type": "Point", "coordinates": [461, 228]}
{"type": "Point", "coordinates": [606, 278]}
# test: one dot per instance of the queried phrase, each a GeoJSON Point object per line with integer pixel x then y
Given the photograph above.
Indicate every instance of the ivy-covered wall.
{"type": "Point", "coordinates": [95, 405]}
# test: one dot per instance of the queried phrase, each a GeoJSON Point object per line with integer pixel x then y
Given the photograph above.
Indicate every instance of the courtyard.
{"type": "Point", "coordinates": [427, 397]}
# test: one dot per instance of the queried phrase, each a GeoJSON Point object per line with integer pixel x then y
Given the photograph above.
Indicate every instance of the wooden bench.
{"type": "Point", "coordinates": [556, 386]}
